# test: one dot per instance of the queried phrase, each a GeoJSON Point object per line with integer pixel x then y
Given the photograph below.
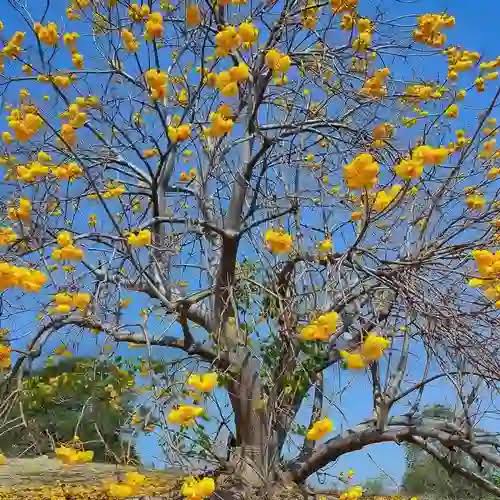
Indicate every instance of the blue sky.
{"type": "Point", "coordinates": [476, 29]}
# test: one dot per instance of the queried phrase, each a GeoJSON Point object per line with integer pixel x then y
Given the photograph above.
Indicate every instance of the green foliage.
{"type": "Point", "coordinates": [73, 396]}
{"type": "Point", "coordinates": [375, 486]}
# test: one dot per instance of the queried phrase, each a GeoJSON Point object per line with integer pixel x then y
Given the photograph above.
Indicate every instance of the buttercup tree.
{"type": "Point", "coordinates": [267, 191]}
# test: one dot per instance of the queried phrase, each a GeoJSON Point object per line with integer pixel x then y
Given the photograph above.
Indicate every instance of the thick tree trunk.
{"type": "Point", "coordinates": [254, 452]}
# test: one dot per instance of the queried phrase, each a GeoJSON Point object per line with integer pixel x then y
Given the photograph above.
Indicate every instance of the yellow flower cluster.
{"type": "Point", "coordinates": [451, 111]}
{"type": "Point", "coordinates": [371, 349]}
{"type": "Point", "coordinates": [488, 266]}
{"type": "Point", "coordinates": [47, 34]}
{"type": "Point", "coordinates": [22, 212]}
{"type": "Point", "coordinates": [325, 246]}
{"type": "Point", "coordinates": [429, 28]}
{"type": "Point", "coordinates": [352, 493]}
{"type": "Point", "coordinates": [139, 238]}
{"type": "Point", "coordinates": [489, 150]}
{"type": "Point", "coordinates": [34, 170]}
{"type": "Point", "coordinates": [319, 429]}
{"type": "Point", "coordinates": [71, 456]}
{"type": "Point", "coordinates": [221, 122]}
{"type": "Point", "coordinates": [67, 171]}
{"type": "Point", "coordinates": [375, 86]}
{"type": "Point", "coordinates": [322, 328]}
{"type": "Point", "coordinates": [361, 172]}
{"type": "Point", "coordinates": [203, 382]}
{"type": "Point", "coordinates": [412, 168]}
{"type": "Point", "coordinates": [67, 250]}
{"type": "Point", "coordinates": [278, 62]}
{"type": "Point", "coordinates": [129, 41]}
{"type": "Point", "coordinates": [126, 488]}
{"type": "Point", "coordinates": [138, 13]}
{"type": "Point", "coordinates": [188, 176]}
{"type": "Point", "coordinates": [157, 83]}
{"type": "Point", "coordinates": [113, 190]}
{"type": "Point", "coordinates": [381, 133]}
{"type": "Point", "coordinates": [487, 68]}
{"type": "Point", "coordinates": [5, 354]}
{"type": "Point", "coordinates": [197, 489]}
{"type": "Point", "coordinates": [185, 415]}
{"type": "Point", "coordinates": [364, 38]}
{"type": "Point", "coordinates": [154, 26]}
{"type": "Point", "coordinates": [193, 15]}
{"type": "Point", "coordinates": [309, 15]}
{"type": "Point", "coordinates": [7, 236]}
{"type": "Point", "coordinates": [180, 133]}
{"type": "Point", "coordinates": [65, 302]}
{"type": "Point", "coordinates": [25, 122]}
{"type": "Point", "coordinates": [227, 40]}
{"type": "Point", "coordinates": [13, 47]}
{"type": "Point", "coordinates": [384, 198]}
{"type": "Point", "coordinates": [278, 241]}
{"type": "Point", "coordinates": [29, 280]}
{"type": "Point", "coordinates": [343, 5]}
{"type": "Point", "coordinates": [418, 92]}
{"type": "Point", "coordinates": [460, 60]}
{"type": "Point", "coordinates": [227, 81]}
{"type": "Point", "coordinates": [475, 200]}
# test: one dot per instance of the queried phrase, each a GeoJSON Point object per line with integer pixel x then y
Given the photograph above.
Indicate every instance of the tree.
{"type": "Point", "coordinates": [75, 396]}
{"type": "Point", "coordinates": [267, 200]}
{"type": "Point", "coordinates": [425, 475]}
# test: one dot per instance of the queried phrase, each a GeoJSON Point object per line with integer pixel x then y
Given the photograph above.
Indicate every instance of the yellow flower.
{"type": "Point", "coordinates": [409, 169]}
{"type": "Point", "coordinates": [325, 245]}
{"type": "Point", "coordinates": [140, 238]}
{"type": "Point", "coordinates": [361, 172]}
{"type": "Point", "coordinates": [120, 490]}
{"type": "Point", "coordinates": [22, 213]}
{"type": "Point", "coordinates": [475, 201]}
{"type": "Point", "coordinates": [278, 241]}
{"type": "Point", "coordinates": [157, 83]}
{"type": "Point", "coordinates": [133, 478]}
{"type": "Point", "coordinates": [185, 415]}
{"type": "Point", "coordinates": [5, 353]}
{"type": "Point", "coordinates": [194, 489]}
{"type": "Point", "coordinates": [204, 382]}
{"type": "Point", "coordinates": [193, 15]}
{"type": "Point", "coordinates": [7, 236]}
{"type": "Point", "coordinates": [277, 61]}
{"type": "Point", "coordinates": [154, 26]}
{"type": "Point", "coordinates": [384, 198]}
{"type": "Point", "coordinates": [47, 34]}
{"type": "Point", "coordinates": [129, 40]}
{"type": "Point", "coordinates": [375, 86]}
{"type": "Point", "coordinates": [352, 493]}
{"type": "Point", "coordinates": [320, 429]}
{"type": "Point", "coordinates": [451, 111]}
{"type": "Point", "coordinates": [226, 41]}
{"type": "Point", "coordinates": [353, 361]}
{"type": "Point", "coordinates": [373, 347]}
{"type": "Point", "coordinates": [180, 133]}
{"type": "Point", "coordinates": [3, 459]}
{"type": "Point", "coordinates": [71, 456]}
{"type": "Point", "coordinates": [430, 155]}
{"type": "Point", "coordinates": [322, 328]}
{"type": "Point", "coordinates": [248, 32]}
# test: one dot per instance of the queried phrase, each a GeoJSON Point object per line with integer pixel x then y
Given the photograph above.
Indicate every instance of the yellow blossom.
{"type": "Point", "coordinates": [278, 241]}
{"type": "Point", "coordinates": [320, 429]}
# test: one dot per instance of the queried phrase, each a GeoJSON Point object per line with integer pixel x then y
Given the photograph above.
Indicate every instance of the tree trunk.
{"type": "Point", "coordinates": [254, 450]}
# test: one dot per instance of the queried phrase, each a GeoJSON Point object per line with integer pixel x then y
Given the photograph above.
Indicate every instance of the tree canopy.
{"type": "Point", "coordinates": [278, 198]}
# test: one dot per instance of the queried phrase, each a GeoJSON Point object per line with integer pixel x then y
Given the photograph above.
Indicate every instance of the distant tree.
{"type": "Point", "coordinates": [425, 475]}
{"type": "Point", "coordinates": [375, 486]}
{"type": "Point", "coordinates": [81, 396]}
